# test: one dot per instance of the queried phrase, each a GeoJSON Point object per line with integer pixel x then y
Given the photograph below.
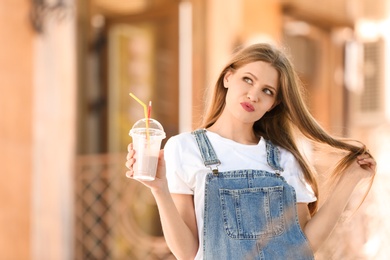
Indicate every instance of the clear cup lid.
{"type": "Point", "coordinates": [154, 128]}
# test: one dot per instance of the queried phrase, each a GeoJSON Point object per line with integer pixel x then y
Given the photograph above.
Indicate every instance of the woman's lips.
{"type": "Point", "coordinates": [247, 106]}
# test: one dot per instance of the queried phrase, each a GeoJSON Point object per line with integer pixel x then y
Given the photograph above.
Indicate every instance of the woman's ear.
{"type": "Point", "coordinates": [226, 79]}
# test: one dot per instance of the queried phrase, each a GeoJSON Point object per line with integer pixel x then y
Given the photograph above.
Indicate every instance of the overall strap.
{"type": "Point", "coordinates": [207, 152]}
{"type": "Point", "coordinates": [273, 157]}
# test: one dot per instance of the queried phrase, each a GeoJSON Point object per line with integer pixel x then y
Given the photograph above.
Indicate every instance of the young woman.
{"type": "Point", "coordinates": [239, 186]}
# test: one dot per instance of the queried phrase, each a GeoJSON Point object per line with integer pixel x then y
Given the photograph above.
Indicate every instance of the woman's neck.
{"type": "Point", "coordinates": [239, 133]}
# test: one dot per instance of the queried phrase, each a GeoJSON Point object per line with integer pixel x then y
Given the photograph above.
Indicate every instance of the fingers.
{"type": "Point", "coordinates": [130, 147]}
{"type": "Point", "coordinates": [129, 165]}
{"type": "Point", "coordinates": [131, 152]}
{"type": "Point", "coordinates": [129, 174]}
{"type": "Point", "coordinates": [362, 157]}
{"type": "Point", "coordinates": [130, 161]}
{"type": "Point", "coordinates": [161, 155]}
{"type": "Point", "coordinates": [130, 155]}
{"type": "Point", "coordinates": [366, 160]}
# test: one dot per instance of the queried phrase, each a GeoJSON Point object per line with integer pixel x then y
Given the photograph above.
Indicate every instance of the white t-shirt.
{"type": "Point", "coordinates": [186, 171]}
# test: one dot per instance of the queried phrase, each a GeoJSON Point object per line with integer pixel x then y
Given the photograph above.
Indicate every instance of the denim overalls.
{"type": "Point", "coordinates": [250, 214]}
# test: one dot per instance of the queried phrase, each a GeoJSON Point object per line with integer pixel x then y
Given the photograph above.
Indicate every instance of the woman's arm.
{"type": "Point", "coordinates": [321, 225]}
{"type": "Point", "coordinates": [178, 221]}
{"type": "Point", "coordinates": [177, 211]}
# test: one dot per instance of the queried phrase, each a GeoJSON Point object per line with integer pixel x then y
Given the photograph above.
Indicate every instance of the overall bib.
{"type": "Point", "coordinates": [250, 214]}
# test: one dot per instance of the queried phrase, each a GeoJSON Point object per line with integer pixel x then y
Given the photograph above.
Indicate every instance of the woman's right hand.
{"type": "Point", "coordinates": [160, 180]}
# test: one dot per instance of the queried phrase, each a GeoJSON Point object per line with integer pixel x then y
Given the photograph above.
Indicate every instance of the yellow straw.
{"type": "Point", "coordinates": [145, 112]}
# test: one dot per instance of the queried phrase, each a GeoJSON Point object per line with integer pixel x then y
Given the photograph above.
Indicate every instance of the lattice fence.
{"type": "Point", "coordinates": [115, 217]}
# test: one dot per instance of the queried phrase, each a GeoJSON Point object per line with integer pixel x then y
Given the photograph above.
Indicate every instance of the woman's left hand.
{"type": "Point", "coordinates": [367, 163]}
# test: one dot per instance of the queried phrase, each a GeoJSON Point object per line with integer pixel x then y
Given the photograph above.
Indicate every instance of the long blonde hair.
{"type": "Point", "coordinates": [291, 112]}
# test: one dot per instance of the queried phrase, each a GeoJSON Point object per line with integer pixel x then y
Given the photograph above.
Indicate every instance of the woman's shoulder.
{"type": "Point", "coordinates": [185, 136]}
{"type": "Point", "coordinates": [180, 141]}
{"type": "Point", "coordinates": [287, 159]}
{"type": "Point", "coordinates": [182, 154]}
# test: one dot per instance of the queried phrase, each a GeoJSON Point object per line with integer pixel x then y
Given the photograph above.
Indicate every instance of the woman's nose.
{"type": "Point", "coordinates": [253, 96]}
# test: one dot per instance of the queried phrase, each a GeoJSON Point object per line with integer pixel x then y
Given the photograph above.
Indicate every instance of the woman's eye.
{"type": "Point", "coordinates": [268, 91]}
{"type": "Point", "coordinates": [248, 80]}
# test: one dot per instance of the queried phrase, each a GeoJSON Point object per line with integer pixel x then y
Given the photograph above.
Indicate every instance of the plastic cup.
{"type": "Point", "coordinates": [146, 143]}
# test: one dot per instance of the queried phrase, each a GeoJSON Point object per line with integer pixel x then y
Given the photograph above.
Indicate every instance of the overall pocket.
{"type": "Point", "coordinates": [253, 213]}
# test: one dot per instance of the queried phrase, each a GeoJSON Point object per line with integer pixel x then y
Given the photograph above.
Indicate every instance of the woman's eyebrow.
{"type": "Point", "coordinates": [252, 75]}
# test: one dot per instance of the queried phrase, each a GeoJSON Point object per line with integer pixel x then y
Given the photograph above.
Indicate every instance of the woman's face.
{"type": "Point", "coordinates": [252, 91]}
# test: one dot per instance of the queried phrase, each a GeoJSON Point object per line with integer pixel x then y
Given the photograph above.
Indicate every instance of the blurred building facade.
{"type": "Point", "coordinates": [66, 68]}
